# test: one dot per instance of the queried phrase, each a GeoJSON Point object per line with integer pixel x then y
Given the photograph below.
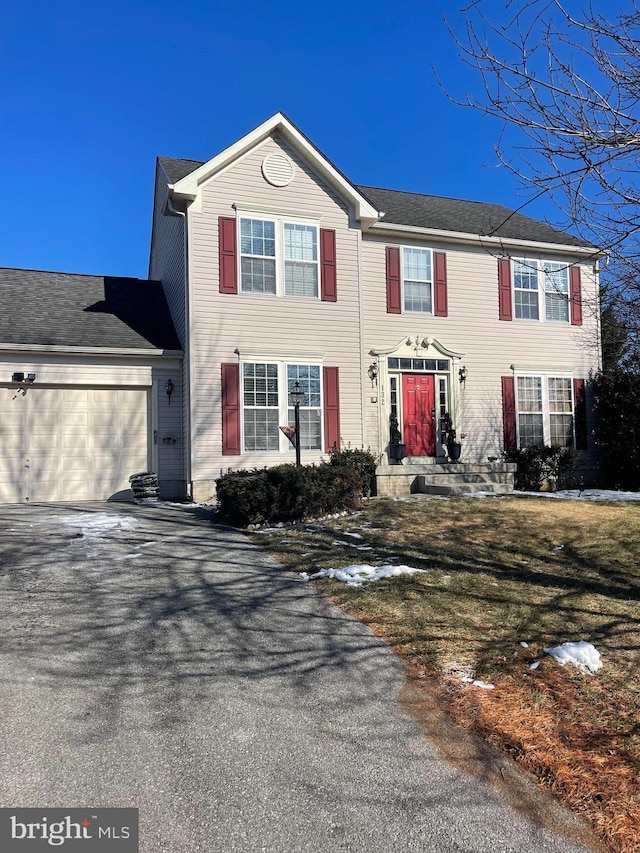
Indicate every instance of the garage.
{"type": "Point", "coordinates": [67, 443]}
{"type": "Point", "coordinates": [85, 364]}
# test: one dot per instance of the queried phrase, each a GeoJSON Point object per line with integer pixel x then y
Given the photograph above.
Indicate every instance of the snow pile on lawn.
{"type": "Point", "coordinates": [580, 654]}
{"type": "Point", "coordinates": [98, 524]}
{"type": "Point", "coordinates": [359, 574]}
{"type": "Point", "coordinates": [567, 495]}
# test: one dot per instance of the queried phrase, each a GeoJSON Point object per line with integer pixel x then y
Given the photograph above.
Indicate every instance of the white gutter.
{"type": "Point", "coordinates": [390, 228]}
{"type": "Point", "coordinates": [124, 352]}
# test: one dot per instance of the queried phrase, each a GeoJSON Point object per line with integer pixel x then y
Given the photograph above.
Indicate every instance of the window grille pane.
{"type": "Point", "coordinates": [531, 430]}
{"type": "Point", "coordinates": [557, 307]}
{"type": "Point", "coordinates": [561, 430]}
{"type": "Point", "coordinates": [258, 276]}
{"type": "Point", "coordinates": [300, 279]}
{"type": "Point", "coordinates": [525, 275]}
{"type": "Point", "coordinates": [261, 429]}
{"type": "Point", "coordinates": [417, 296]}
{"type": "Point", "coordinates": [300, 242]}
{"type": "Point", "coordinates": [529, 390]}
{"type": "Point", "coordinates": [257, 237]}
{"type": "Point", "coordinates": [310, 435]}
{"type": "Point", "coordinates": [560, 396]}
{"type": "Point", "coordinates": [556, 277]}
{"type": "Point", "coordinates": [416, 264]}
{"type": "Point", "coordinates": [526, 303]}
{"type": "Point", "coordinates": [393, 364]}
{"type": "Point", "coordinates": [308, 376]}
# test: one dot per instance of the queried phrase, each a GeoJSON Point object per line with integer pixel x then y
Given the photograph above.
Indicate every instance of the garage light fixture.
{"type": "Point", "coordinates": [30, 378]}
{"type": "Point", "coordinates": [168, 390]}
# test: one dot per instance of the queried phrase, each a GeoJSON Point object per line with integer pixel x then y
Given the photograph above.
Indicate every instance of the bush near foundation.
{"type": "Point", "coordinates": [541, 467]}
{"type": "Point", "coordinates": [287, 493]}
{"type": "Point", "coordinates": [363, 462]}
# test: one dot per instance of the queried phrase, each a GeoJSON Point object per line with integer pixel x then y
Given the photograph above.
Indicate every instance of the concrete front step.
{"type": "Point", "coordinates": [431, 478]}
{"type": "Point", "coordinates": [465, 488]}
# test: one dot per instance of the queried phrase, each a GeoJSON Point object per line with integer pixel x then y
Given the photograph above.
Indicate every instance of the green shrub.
{"type": "Point", "coordinates": [363, 462]}
{"type": "Point", "coordinates": [545, 467]}
{"type": "Point", "coordinates": [287, 493]}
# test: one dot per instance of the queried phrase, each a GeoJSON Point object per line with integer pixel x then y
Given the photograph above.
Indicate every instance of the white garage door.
{"type": "Point", "coordinates": [67, 444]}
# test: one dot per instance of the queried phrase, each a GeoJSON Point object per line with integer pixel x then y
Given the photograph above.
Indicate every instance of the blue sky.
{"type": "Point", "coordinates": [90, 94]}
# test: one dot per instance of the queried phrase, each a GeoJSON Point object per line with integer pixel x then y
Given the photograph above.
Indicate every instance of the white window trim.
{"type": "Point", "coordinates": [279, 222]}
{"type": "Point", "coordinates": [402, 281]}
{"type": "Point", "coordinates": [540, 291]}
{"type": "Point", "coordinates": [546, 411]}
{"type": "Point", "coordinates": [284, 445]}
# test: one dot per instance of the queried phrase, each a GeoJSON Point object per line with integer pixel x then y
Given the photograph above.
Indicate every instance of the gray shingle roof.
{"type": "Point", "coordinates": [467, 217]}
{"type": "Point", "coordinates": [431, 211]}
{"type": "Point", "coordinates": [67, 309]}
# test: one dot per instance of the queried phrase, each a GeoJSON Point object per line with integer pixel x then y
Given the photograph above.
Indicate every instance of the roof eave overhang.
{"type": "Point", "coordinates": [124, 352]}
{"type": "Point", "coordinates": [491, 243]}
{"type": "Point", "coordinates": [186, 189]}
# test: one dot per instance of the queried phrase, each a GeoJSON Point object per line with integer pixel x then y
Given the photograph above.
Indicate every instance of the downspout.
{"type": "Point", "coordinates": [186, 386]}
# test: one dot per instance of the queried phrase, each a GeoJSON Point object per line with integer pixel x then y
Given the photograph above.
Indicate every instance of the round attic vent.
{"type": "Point", "coordinates": [277, 169]}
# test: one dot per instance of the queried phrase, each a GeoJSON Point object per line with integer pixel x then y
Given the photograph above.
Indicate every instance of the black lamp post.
{"type": "Point", "coordinates": [296, 394]}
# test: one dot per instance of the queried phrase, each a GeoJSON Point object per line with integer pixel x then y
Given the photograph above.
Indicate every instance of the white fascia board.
{"type": "Point", "coordinates": [187, 187]}
{"type": "Point", "coordinates": [391, 229]}
{"type": "Point", "coordinates": [124, 353]}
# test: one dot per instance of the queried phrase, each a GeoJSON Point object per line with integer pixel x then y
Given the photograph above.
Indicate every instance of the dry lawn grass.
{"type": "Point", "coordinates": [499, 572]}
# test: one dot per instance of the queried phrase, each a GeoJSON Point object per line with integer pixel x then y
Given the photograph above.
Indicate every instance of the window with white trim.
{"type": "Point", "coordinates": [536, 280]}
{"type": "Point", "coordinates": [545, 408]}
{"type": "Point", "coordinates": [279, 257]}
{"type": "Point", "coordinates": [266, 405]}
{"type": "Point", "coordinates": [417, 279]}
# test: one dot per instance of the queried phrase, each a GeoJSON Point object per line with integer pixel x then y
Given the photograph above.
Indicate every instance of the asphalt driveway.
{"type": "Point", "coordinates": [156, 659]}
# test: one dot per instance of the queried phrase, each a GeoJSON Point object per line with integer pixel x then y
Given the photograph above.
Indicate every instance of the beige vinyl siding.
{"type": "Point", "coordinates": [472, 327]}
{"type": "Point", "coordinates": [281, 328]}
{"type": "Point", "coordinates": [166, 263]}
{"type": "Point", "coordinates": [169, 426]}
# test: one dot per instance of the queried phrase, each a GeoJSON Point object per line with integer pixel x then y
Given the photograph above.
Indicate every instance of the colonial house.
{"type": "Point", "coordinates": [275, 269]}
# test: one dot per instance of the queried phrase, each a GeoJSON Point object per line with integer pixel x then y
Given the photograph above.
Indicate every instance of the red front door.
{"type": "Point", "coordinates": [418, 402]}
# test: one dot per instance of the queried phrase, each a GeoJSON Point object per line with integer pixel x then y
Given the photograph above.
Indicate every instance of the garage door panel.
{"type": "Point", "coordinates": [71, 443]}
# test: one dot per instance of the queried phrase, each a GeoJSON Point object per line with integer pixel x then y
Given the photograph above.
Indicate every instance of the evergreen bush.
{"type": "Point", "coordinates": [287, 493]}
{"type": "Point", "coordinates": [546, 467]}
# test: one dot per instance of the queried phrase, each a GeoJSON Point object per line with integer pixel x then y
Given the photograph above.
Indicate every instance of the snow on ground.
{"type": "Point", "coordinates": [358, 574]}
{"type": "Point", "coordinates": [95, 525]}
{"type": "Point", "coordinates": [567, 494]}
{"type": "Point", "coordinates": [580, 654]}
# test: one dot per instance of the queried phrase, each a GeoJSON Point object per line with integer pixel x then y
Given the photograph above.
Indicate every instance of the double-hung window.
{"type": "Point", "coordinates": [278, 257]}
{"type": "Point", "coordinates": [545, 408]}
{"type": "Point", "coordinates": [267, 405]}
{"type": "Point", "coordinates": [417, 279]}
{"type": "Point", "coordinates": [535, 281]}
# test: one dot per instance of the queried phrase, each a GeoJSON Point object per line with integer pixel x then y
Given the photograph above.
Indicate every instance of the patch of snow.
{"type": "Point", "coordinates": [128, 557]}
{"type": "Point", "coordinates": [581, 654]}
{"type": "Point", "coordinates": [534, 665]}
{"type": "Point", "coordinates": [358, 574]}
{"type": "Point", "coordinates": [524, 645]}
{"type": "Point", "coordinates": [355, 535]}
{"type": "Point", "coordinates": [95, 525]}
{"type": "Point", "coordinates": [585, 495]}
{"type": "Point", "coordinates": [484, 684]}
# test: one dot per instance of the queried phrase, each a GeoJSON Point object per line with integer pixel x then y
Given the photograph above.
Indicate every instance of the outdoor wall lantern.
{"type": "Point", "coordinates": [168, 390]}
{"type": "Point", "coordinates": [372, 370]}
{"type": "Point", "coordinates": [29, 379]}
{"type": "Point", "coordinates": [462, 374]}
{"type": "Point", "coordinates": [296, 395]}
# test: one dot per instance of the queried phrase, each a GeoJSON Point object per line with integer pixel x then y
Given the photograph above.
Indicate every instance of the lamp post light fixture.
{"type": "Point", "coordinates": [296, 395]}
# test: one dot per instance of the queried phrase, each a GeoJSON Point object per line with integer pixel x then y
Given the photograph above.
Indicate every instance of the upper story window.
{"type": "Point", "coordinates": [278, 257]}
{"type": "Point", "coordinates": [417, 279]}
{"type": "Point", "coordinates": [541, 290]}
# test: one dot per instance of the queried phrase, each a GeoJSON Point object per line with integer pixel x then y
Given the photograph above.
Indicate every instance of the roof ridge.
{"type": "Point", "coordinates": [80, 274]}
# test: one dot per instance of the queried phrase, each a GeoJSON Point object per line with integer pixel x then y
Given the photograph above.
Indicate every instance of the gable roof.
{"type": "Point", "coordinates": [438, 213]}
{"type": "Point", "coordinates": [186, 187]}
{"type": "Point", "coordinates": [70, 310]}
